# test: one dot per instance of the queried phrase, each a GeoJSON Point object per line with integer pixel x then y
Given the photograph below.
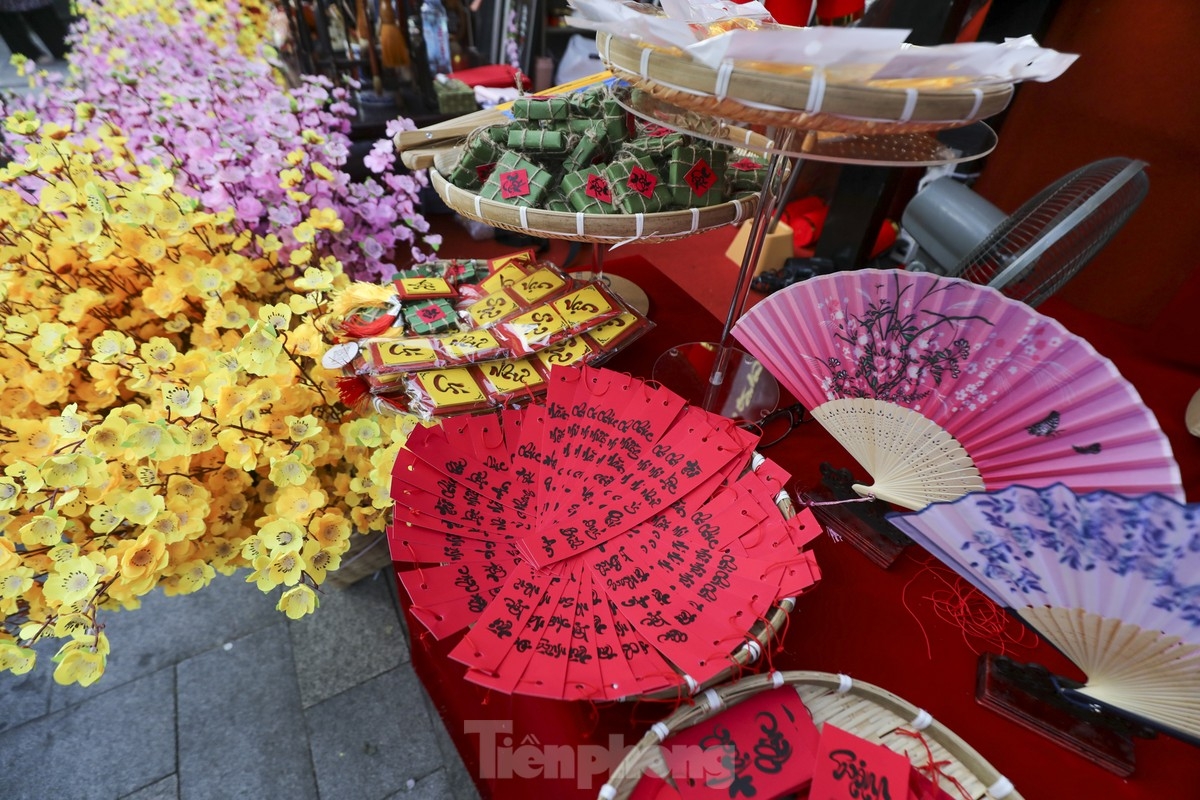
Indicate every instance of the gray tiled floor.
{"type": "Point", "coordinates": [217, 695]}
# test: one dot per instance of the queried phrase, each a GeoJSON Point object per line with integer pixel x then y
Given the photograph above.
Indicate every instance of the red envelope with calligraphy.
{"type": "Point", "coordinates": [851, 768]}
{"type": "Point", "coordinates": [762, 748]}
{"type": "Point", "coordinates": [609, 544]}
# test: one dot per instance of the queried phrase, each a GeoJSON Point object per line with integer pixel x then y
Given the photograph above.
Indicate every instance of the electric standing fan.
{"type": "Point", "coordinates": [1112, 581]}
{"type": "Point", "coordinates": [940, 387]}
{"type": "Point", "coordinates": [1034, 252]}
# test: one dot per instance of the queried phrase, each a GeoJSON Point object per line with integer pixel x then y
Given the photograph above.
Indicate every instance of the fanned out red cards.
{"type": "Point", "coordinates": [613, 543]}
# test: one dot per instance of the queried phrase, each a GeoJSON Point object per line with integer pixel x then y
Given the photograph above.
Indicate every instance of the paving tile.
{"type": "Point", "coordinates": [26, 697]}
{"type": "Point", "coordinates": [458, 778]}
{"type": "Point", "coordinates": [434, 786]}
{"type": "Point", "coordinates": [241, 728]}
{"type": "Point", "coordinates": [166, 630]}
{"type": "Point", "coordinates": [355, 634]}
{"type": "Point", "coordinates": [367, 742]}
{"type": "Point", "coordinates": [104, 747]}
{"type": "Point", "coordinates": [166, 789]}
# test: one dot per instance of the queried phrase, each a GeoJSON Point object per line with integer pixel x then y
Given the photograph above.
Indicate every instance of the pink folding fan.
{"type": "Point", "coordinates": [940, 387]}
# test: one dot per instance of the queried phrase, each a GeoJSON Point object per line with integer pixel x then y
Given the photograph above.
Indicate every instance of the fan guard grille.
{"type": "Point", "coordinates": [1040, 247]}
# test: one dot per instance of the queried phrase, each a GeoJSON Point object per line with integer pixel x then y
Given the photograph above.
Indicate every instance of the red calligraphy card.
{"type": "Point", "coordinates": [583, 679]}
{"type": "Point", "coordinates": [701, 178]}
{"type": "Point", "coordinates": [747, 165]}
{"type": "Point", "coordinates": [485, 646]}
{"type": "Point", "coordinates": [491, 477]}
{"type": "Point", "coordinates": [415, 545]}
{"type": "Point", "coordinates": [450, 617]}
{"type": "Point", "coordinates": [445, 596]}
{"type": "Point", "coordinates": [515, 664]}
{"type": "Point", "coordinates": [514, 184]}
{"type": "Point", "coordinates": [849, 767]}
{"type": "Point", "coordinates": [546, 673]}
{"type": "Point", "coordinates": [761, 748]}
{"type": "Point", "coordinates": [642, 182]}
{"type": "Point", "coordinates": [598, 189]}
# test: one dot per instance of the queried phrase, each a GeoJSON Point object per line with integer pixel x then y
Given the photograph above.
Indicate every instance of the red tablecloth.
{"type": "Point", "coordinates": [874, 625]}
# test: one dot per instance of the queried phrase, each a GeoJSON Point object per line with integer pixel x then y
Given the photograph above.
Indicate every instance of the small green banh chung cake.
{"type": "Point", "coordinates": [584, 153]}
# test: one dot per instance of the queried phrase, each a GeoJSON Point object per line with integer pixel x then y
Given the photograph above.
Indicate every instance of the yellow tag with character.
{"type": "Point", "coordinates": [423, 288]}
{"type": "Point", "coordinates": [537, 285]}
{"type": "Point", "coordinates": [582, 306]}
{"type": "Point", "coordinates": [453, 386]}
{"type": "Point", "coordinates": [565, 353]}
{"type": "Point", "coordinates": [512, 375]}
{"type": "Point", "coordinates": [471, 345]}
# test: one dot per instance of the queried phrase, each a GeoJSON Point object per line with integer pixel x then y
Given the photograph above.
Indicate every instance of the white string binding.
{"type": "Point", "coordinates": [755, 649]}
{"type": "Point", "coordinates": [737, 212]}
{"type": "Point", "coordinates": [713, 699]}
{"type": "Point", "coordinates": [478, 210]}
{"type": "Point", "coordinates": [639, 221]}
{"type": "Point", "coordinates": [777, 679]}
{"type": "Point", "coordinates": [845, 683]}
{"type": "Point", "coordinates": [645, 65]}
{"type": "Point", "coordinates": [579, 223]}
{"type": "Point", "coordinates": [660, 730]}
{"type": "Point", "coordinates": [978, 102]}
{"type": "Point", "coordinates": [922, 721]}
{"type": "Point", "coordinates": [816, 91]}
{"type": "Point", "coordinates": [1002, 788]}
{"type": "Point", "coordinates": [608, 792]}
{"type": "Point", "coordinates": [910, 104]}
{"type": "Point", "coordinates": [695, 219]}
{"type": "Point", "coordinates": [523, 213]}
{"type": "Point", "coordinates": [724, 73]}
{"type": "Point", "coordinates": [693, 687]}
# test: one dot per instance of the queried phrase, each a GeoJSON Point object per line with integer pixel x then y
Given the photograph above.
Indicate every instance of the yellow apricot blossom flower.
{"type": "Point", "coordinates": [144, 556]}
{"type": "Point", "coordinates": [299, 503]}
{"type": "Point", "coordinates": [182, 401]}
{"type": "Point", "coordinates": [281, 534]}
{"type": "Point", "coordinates": [320, 560]}
{"type": "Point", "coordinates": [140, 506]}
{"type": "Point", "coordinates": [14, 658]}
{"type": "Point", "coordinates": [111, 345]}
{"type": "Point", "coordinates": [78, 663]}
{"type": "Point", "coordinates": [71, 581]}
{"type": "Point", "coordinates": [298, 601]}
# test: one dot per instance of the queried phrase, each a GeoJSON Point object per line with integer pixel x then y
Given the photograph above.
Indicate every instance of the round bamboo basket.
{"type": "Point", "coordinates": [861, 708]}
{"type": "Point", "coordinates": [804, 100]}
{"type": "Point", "coordinates": [598, 228]}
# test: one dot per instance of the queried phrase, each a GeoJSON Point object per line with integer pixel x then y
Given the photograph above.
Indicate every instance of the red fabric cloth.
{"type": "Point", "coordinates": [497, 76]}
{"type": "Point", "coordinates": [856, 621]}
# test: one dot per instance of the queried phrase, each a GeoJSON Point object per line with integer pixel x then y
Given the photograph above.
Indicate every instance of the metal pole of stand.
{"type": "Point", "coordinates": [768, 197]}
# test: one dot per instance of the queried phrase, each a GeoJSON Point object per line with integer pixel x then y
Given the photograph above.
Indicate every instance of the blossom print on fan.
{"type": "Point", "coordinates": [897, 349]}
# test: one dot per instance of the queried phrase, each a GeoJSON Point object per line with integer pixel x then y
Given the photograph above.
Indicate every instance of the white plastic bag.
{"type": "Point", "coordinates": [579, 60]}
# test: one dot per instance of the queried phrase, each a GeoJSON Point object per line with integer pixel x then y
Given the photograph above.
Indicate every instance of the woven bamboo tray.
{"type": "Point", "coordinates": [598, 228]}
{"type": "Point", "coordinates": [801, 100]}
{"type": "Point", "coordinates": [860, 708]}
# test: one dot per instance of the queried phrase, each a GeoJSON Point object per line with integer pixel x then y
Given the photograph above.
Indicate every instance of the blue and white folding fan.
{"type": "Point", "coordinates": [1112, 581]}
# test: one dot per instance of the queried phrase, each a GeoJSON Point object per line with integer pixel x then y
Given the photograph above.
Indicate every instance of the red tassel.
{"type": "Point", "coordinates": [355, 328]}
{"type": "Point", "coordinates": [352, 389]}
